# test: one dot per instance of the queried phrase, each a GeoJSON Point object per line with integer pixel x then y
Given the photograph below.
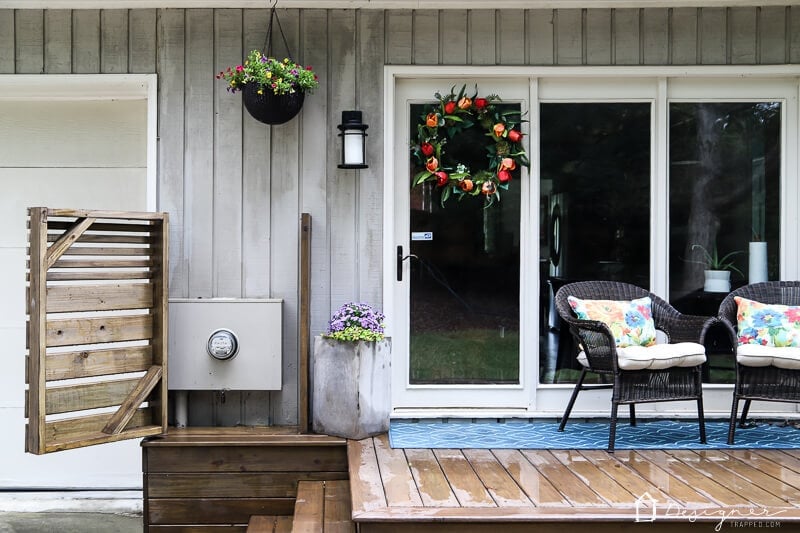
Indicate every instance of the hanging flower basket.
{"type": "Point", "coordinates": [271, 108]}
{"type": "Point", "coordinates": [273, 91]}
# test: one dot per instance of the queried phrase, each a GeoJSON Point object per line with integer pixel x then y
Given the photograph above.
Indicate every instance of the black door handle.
{"type": "Point", "coordinates": [399, 263]}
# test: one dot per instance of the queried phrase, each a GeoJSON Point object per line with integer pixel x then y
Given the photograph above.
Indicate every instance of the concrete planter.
{"type": "Point", "coordinates": [351, 388]}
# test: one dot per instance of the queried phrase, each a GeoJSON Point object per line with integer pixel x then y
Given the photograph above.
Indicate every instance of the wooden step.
{"type": "Point", "coordinates": [323, 506]}
{"type": "Point", "coordinates": [269, 524]}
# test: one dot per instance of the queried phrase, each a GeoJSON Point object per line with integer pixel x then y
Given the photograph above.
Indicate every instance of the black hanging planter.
{"type": "Point", "coordinates": [271, 108]}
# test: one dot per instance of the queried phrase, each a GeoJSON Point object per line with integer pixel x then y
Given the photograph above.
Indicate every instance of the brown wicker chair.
{"type": "Point", "coordinates": [768, 383]}
{"type": "Point", "coordinates": [630, 387]}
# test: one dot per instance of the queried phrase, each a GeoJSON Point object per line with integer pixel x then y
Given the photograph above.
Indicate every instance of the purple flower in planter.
{"type": "Point", "coordinates": [355, 322]}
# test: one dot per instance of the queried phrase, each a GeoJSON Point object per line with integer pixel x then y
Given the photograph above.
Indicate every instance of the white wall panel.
{"type": "Point", "coordinates": [95, 133]}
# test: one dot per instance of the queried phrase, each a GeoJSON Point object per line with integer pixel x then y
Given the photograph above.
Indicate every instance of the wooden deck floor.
{"type": "Point", "coordinates": [440, 490]}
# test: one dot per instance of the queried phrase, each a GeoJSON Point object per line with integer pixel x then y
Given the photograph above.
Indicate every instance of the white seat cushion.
{"type": "Point", "coordinates": [756, 355]}
{"type": "Point", "coordinates": [657, 356]}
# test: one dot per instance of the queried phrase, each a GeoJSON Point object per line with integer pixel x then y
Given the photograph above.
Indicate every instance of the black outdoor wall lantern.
{"type": "Point", "coordinates": [353, 134]}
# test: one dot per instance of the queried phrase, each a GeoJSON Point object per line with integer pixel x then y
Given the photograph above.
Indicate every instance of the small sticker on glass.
{"type": "Point", "coordinates": [421, 235]}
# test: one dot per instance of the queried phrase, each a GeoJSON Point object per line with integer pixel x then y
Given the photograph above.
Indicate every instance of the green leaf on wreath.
{"type": "Point", "coordinates": [445, 194]}
{"type": "Point", "coordinates": [422, 176]}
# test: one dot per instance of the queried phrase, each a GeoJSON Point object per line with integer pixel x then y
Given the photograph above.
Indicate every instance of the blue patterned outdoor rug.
{"type": "Point", "coordinates": [647, 434]}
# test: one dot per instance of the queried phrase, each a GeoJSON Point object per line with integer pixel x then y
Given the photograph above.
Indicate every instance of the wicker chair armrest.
{"type": "Point", "coordinates": [597, 342]}
{"type": "Point", "coordinates": [686, 328]}
{"type": "Point", "coordinates": [730, 329]}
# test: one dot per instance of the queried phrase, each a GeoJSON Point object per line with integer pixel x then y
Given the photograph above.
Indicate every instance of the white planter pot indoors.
{"type": "Point", "coordinates": [758, 262]}
{"type": "Point", "coordinates": [717, 281]}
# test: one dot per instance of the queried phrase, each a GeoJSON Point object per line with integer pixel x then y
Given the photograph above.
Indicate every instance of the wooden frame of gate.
{"type": "Point", "coordinates": [97, 327]}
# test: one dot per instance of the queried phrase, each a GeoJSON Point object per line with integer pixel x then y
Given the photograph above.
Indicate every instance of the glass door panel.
{"type": "Point", "coordinates": [724, 201]}
{"type": "Point", "coordinates": [464, 280]}
{"type": "Point", "coordinates": [595, 188]}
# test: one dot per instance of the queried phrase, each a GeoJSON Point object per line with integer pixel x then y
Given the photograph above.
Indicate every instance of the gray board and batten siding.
{"type": "Point", "coordinates": [235, 188]}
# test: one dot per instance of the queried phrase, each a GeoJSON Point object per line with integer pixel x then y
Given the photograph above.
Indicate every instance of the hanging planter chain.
{"type": "Point", "coordinates": [273, 17]}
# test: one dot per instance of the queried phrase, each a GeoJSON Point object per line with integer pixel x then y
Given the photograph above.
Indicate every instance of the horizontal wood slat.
{"type": "Point", "coordinates": [81, 364]}
{"type": "Point", "coordinates": [95, 275]}
{"type": "Point", "coordinates": [128, 215]}
{"type": "Point", "coordinates": [215, 510]}
{"type": "Point", "coordinates": [111, 227]}
{"type": "Point", "coordinates": [218, 528]}
{"type": "Point", "coordinates": [71, 398]}
{"type": "Point", "coordinates": [81, 431]}
{"type": "Point", "coordinates": [103, 263]}
{"type": "Point", "coordinates": [110, 297]}
{"type": "Point", "coordinates": [195, 528]}
{"type": "Point", "coordinates": [248, 459]}
{"type": "Point", "coordinates": [270, 524]}
{"type": "Point", "coordinates": [105, 238]}
{"type": "Point", "coordinates": [106, 250]}
{"type": "Point", "coordinates": [76, 331]}
{"type": "Point", "coordinates": [232, 484]}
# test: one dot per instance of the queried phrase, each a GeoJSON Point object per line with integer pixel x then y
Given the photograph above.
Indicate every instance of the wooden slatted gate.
{"type": "Point", "coordinates": [97, 327]}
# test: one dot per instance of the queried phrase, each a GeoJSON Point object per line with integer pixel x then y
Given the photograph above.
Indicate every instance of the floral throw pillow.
{"type": "Point", "coordinates": [767, 324]}
{"type": "Point", "coordinates": [631, 323]}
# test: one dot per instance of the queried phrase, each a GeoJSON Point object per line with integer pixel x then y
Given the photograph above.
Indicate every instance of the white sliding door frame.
{"type": "Point", "coordinates": [658, 85]}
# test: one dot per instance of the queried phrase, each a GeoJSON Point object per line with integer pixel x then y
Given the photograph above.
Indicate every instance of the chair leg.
{"type": "Point", "coordinates": [612, 432]}
{"type": "Point", "coordinates": [701, 420]}
{"type": "Point", "coordinates": [572, 399]}
{"type": "Point", "coordinates": [745, 410]}
{"type": "Point", "coordinates": [632, 408]}
{"type": "Point", "coordinates": [732, 424]}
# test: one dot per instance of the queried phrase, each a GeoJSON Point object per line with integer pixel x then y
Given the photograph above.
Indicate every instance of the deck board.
{"type": "Point", "coordinates": [443, 489]}
{"type": "Point", "coordinates": [398, 483]}
{"type": "Point", "coordinates": [563, 479]}
{"type": "Point", "coordinates": [434, 488]}
{"type": "Point", "coordinates": [662, 480]}
{"type": "Point", "coordinates": [466, 485]}
{"type": "Point", "coordinates": [709, 464]}
{"type": "Point", "coordinates": [368, 493]}
{"type": "Point", "coordinates": [622, 474]}
{"type": "Point", "coordinates": [498, 482]}
{"type": "Point", "coordinates": [540, 491]}
{"type": "Point", "coordinates": [687, 473]}
{"type": "Point", "coordinates": [606, 487]}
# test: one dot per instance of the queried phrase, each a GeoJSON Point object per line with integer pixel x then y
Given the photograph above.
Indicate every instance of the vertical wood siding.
{"type": "Point", "coordinates": [235, 188]}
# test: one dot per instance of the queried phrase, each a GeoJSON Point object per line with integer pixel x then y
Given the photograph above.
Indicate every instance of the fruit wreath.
{"type": "Point", "coordinates": [452, 115]}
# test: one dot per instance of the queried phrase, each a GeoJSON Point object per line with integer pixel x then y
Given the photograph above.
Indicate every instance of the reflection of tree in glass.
{"type": "Point", "coordinates": [723, 181]}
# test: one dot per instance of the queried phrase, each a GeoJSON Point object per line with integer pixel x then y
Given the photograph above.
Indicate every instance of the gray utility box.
{"type": "Point", "coordinates": [225, 344]}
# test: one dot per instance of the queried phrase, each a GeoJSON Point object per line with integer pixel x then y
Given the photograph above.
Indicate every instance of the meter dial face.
{"type": "Point", "coordinates": [222, 344]}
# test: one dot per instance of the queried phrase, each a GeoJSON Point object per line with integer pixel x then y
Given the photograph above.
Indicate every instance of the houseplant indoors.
{"type": "Point", "coordinates": [273, 91]}
{"type": "Point", "coordinates": [718, 269]}
{"type": "Point", "coordinates": [351, 374]}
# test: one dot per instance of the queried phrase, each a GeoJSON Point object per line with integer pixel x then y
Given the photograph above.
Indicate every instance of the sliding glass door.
{"type": "Point", "coordinates": [641, 179]}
